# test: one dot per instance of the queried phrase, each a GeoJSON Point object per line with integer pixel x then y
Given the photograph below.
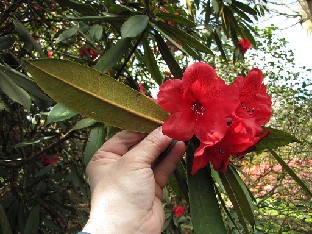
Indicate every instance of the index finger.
{"type": "Point", "coordinates": [121, 142]}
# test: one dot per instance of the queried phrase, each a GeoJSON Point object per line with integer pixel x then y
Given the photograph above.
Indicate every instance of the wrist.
{"type": "Point", "coordinates": [109, 215]}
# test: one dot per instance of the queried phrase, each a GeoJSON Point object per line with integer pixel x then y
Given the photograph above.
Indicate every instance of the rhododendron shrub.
{"type": "Point", "coordinates": [226, 118]}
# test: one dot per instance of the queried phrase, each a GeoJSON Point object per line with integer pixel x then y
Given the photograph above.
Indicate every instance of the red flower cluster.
{"type": "Point", "coordinates": [178, 211]}
{"type": "Point", "coordinates": [46, 160]}
{"type": "Point", "coordinates": [244, 45]}
{"type": "Point", "coordinates": [227, 119]}
{"type": "Point", "coordinates": [89, 52]}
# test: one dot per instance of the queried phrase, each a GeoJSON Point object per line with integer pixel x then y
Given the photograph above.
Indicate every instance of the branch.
{"type": "Point", "coordinates": [19, 163]}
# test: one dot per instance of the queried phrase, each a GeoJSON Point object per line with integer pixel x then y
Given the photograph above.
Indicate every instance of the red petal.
{"type": "Point", "coordinates": [200, 73]}
{"type": "Point", "coordinates": [180, 126]}
{"type": "Point", "coordinates": [170, 96]}
{"type": "Point", "coordinates": [210, 129]}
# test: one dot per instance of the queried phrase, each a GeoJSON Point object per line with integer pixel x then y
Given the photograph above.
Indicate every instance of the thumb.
{"type": "Point", "coordinates": [149, 148]}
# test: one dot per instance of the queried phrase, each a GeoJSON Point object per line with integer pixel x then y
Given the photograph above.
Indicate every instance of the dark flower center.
{"type": "Point", "coordinates": [250, 111]}
{"type": "Point", "coordinates": [198, 109]}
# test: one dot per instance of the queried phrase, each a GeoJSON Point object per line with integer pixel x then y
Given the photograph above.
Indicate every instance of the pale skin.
{"type": "Point", "coordinates": [126, 186]}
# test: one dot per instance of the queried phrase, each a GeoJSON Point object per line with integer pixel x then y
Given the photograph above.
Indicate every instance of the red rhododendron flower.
{"type": "Point", "coordinates": [255, 103]}
{"type": "Point", "coordinates": [46, 160]}
{"type": "Point", "coordinates": [244, 45]}
{"type": "Point", "coordinates": [7, 3]}
{"type": "Point", "coordinates": [178, 211]}
{"type": "Point", "coordinates": [199, 104]}
{"type": "Point", "coordinates": [236, 141]}
{"type": "Point", "coordinates": [36, 7]}
{"type": "Point", "coordinates": [49, 53]}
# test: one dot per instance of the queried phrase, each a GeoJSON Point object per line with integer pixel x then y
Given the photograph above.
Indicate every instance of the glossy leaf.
{"type": "Point", "coordinates": [96, 32]}
{"type": "Point", "coordinates": [231, 192]}
{"type": "Point", "coordinates": [173, 65]}
{"type": "Point", "coordinates": [113, 55]}
{"type": "Point", "coordinates": [107, 18]}
{"type": "Point", "coordinates": [59, 113]}
{"type": "Point", "coordinates": [4, 222]}
{"type": "Point", "coordinates": [84, 9]}
{"type": "Point", "coordinates": [185, 38]}
{"type": "Point", "coordinates": [151, 63]}
{"type": "Point", "coordinates": [134, 26]}
{"type": "Point", "coordinates": [242, 194]}
{"type": "Point", "coordinates": [205, 210]}
{"type": "Point", "coordinates": [291, 172]}
{"type": "Point", "coordinates": [6, 42]}
{"type": "Point", "coordinates": [176, 18]}
{"type": "Point", "coordinates": [167, 36]}
{"type": "Point", "coordinates": [14, 92]}
{"type": "Point", "coordinates": [27, 37]}
{"type": "Point", "coordinates": [276, 138]}
{"type": "Point", "coordinates": [95, 141]}
{"type": "Point", "coordinates": [67, 34]}
{"type": "Point", "coordinates": [32, 223]}
{"type": "Point", "coordinates": [96, 95]}
{"type": "Point", "coordinates": [24, 82]}
{"type": "Point", "coordinates": [84, 123]}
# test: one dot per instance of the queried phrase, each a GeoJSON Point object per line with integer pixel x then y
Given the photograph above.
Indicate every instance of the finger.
{"type": "Point", "coordinates": [167, 166]}
{"type": "Point", "coordinates": [149, 148]}
{"type": "Point", "coordinates": [119, 144]}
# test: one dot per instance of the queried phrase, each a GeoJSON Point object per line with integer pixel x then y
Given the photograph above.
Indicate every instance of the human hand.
{"type": "Point", "coordinates": [126, 188]}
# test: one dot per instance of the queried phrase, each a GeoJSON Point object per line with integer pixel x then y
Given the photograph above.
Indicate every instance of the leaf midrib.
{"type": "Point", "coordinates": [100, 98]}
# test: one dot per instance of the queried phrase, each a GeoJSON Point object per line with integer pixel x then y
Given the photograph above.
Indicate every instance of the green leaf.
{"type": "Point", "coordinates": [96, 32]}
{"type": "Point", "coordinates": [168, 37]}
{"type": "Point", "coordinates": [96, 95]}
{"type": "Point", "coordinates": [151, 63]}
{"type": "Point", "coordinates": [13, 91]}
{"type": "Point", "coordinates": [231, 192]}
{"type": "Point", "coordinates": [291, 172]}
{"type": "Point", "coordinates": [185, 38]}
{"type": "Point", "coordinates": [22, 144]}
{"type": "Point", "coordinates": [242, 194]}
{"type": "Point", "coordinates": [244, 8]}
{"type": "Point", "coordinates": [173, 65]}
{"type": "Point", "coordinates": [276, 138]}
{"type": "Point", "coordinates": [32, 223]}
{"type": "Point", "coordinates": [66, 34]}
{"type": "Point", "coordinates": [113, 55]}
{"type": "Point", "coordinates": [215, 6]}
{"type": "Point", "coordinates": [84, 9]}
{"type": "Point", "coordinates": [6, 42]}
{"type": "Point", "coordinates": [24, 82]}
{"type": "Point", "coordinates": [27, 37]}
{"type": "Point", "coordinates": [4, 222]}
{"type": "Point", "coordinates": [106, 18]}
{"type": "Point", "coordinates": [84, 123]}
{"type": "Point", "coordinates": [176, 18]}
{"type": "Point", "coordinates": [95, 141]}
{"type": "Point", "coordinates": [44, 171]}
{"type": "Point", "coordinates": [134, 26]}
{"type": "Point", "coordinates": [219, 45]}
{"type": "Point", "coordinates": [59, 113]}
{"type": "Point", "coordinates": [205, 210]}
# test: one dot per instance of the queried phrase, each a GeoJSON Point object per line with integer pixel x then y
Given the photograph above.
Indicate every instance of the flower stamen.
{"type": "Point", "coordinates": [198, 109]}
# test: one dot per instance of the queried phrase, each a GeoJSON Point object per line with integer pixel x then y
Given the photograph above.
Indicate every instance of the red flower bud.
{"type": "Point", "coordinates": [36, 7]}
{"type": "Point", "coordinates": [178, 211]}
{"type": "Point", "coordinates": [7, 3]}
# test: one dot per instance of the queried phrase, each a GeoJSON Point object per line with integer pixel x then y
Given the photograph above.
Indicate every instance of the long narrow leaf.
{"type": "Point", "coordinates": [168, 57]}
{"type": "Point", "coordinates": [151, 63]}
{"type": "Point", "coordinates": [234, 200]}
{"type": "Point", "coordinates": [32, 223]}
{"type": "Point", "coordinates": [205, 210]}
{"type": "Point", "coordinates": [13, 91]}
{"type": "Point", "coordinates": [113, 55]}
{"type": "Point", "coordinates": [91, 93]}
{"type": "Point", "coordinates": [291, 172]}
